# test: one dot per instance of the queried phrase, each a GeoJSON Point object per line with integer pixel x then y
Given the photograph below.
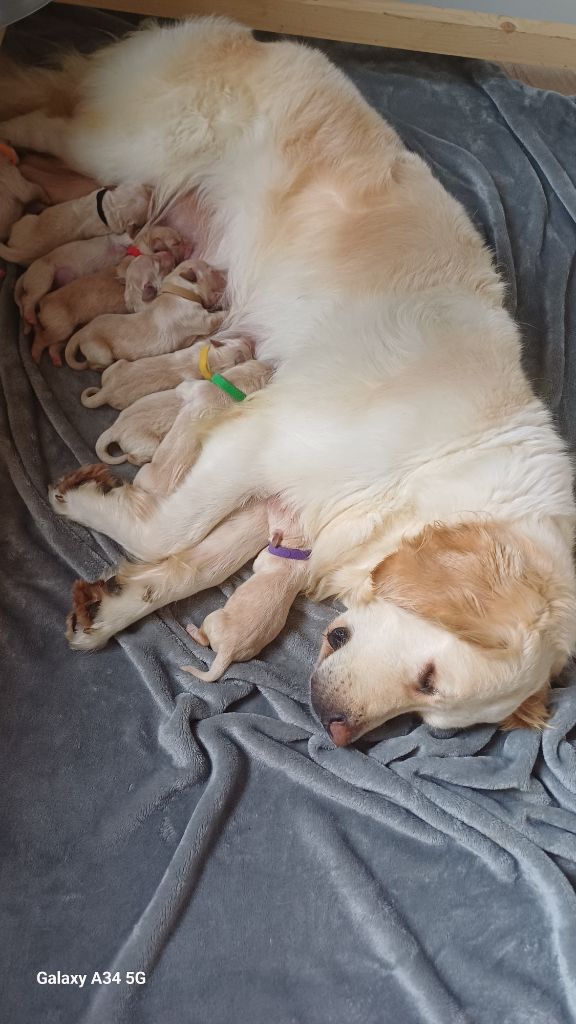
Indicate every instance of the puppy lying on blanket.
{"type": "Point", "coordinates": [15, 191]}
{"type": "Point", "coordinates": [125, 382]}
{"type": "Point", "coordinates": [257, 611]}
{"type": "Point", "coordinates": [173, 321]}
{"type": "Point", "coordinates": [139, 429]}
{"type": "Point", "coordinates": [105, 212]}
{"type": "Point", "coordinates": [60, 312]}
{"type": "Point", "coordinates": [63, 265]}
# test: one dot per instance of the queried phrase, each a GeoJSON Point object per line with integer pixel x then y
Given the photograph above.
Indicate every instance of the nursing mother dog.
{"type": "Point", "coordinates": [399, 425]}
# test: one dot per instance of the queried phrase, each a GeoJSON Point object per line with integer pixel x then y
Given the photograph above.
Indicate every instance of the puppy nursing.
{"type": "Point", "coordinates": [173, 321]}
{"type": "Point", "coordinates": [125, 382]}
{"type": "Point", "coordinates": [258, 609]}
{"type": "Point", "coordinates": [139, 429]}
{"type": "Point", "coordinates": [104, 212]}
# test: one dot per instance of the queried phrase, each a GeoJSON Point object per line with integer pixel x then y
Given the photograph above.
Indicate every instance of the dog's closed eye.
{"type": "Point", "coordinates": [149, 292]}
{"type": "Point", "coordinates": [426, 680]}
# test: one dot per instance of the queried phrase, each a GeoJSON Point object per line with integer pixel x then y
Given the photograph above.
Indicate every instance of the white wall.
{"type": "Point", "coordinates": [540, 10]}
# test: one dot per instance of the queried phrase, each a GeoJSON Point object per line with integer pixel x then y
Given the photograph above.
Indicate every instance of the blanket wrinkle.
{"type": "Point", "coordinates": [211, 835]}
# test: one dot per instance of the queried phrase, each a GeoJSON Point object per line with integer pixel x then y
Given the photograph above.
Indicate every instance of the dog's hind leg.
{"type": "Point", "coordinates": [104, 608]}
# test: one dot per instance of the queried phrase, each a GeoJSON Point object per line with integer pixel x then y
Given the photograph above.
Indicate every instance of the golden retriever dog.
{"type": "Point", "coordinates": [432, 486]}
{"type": "Point", "coordinates": [257, 611]}
{"type": "Point", "coordinates": [15, 191]}
{"type": "Point", "coordinates": [104, 212]}
{"type": "Point", "coordinates": [124, 382]}
{"type": "Point", "coordinates": [141, 427]}
{"type": "Point", "coordinates": [174, 320]}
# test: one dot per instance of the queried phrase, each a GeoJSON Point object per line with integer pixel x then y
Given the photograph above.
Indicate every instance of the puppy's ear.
{"type": "Point", "coordinates": [533, 713]}
{"type": "Point", "coordinates": [473, 580]}
{"type": "Point", "coordinates": [149, 292]}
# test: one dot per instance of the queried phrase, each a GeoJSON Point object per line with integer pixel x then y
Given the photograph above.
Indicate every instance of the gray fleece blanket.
{"type": "Point", "coordinates": [211, 837]}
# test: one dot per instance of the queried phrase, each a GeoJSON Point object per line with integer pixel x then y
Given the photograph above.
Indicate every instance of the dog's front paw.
{"type": "Point", "coordinates": [85, 628]}
{"type": "Point", "coordinates": [97, 478]}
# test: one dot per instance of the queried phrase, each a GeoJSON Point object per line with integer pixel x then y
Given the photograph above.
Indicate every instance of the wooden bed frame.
{"type": "Point", "coordinates": [389, 23]}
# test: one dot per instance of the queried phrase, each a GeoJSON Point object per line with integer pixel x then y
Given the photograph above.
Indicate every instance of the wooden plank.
{"type": "Point", "coordinates": [388, 23]}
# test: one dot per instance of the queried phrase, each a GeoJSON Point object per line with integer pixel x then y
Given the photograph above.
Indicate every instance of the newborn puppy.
{"type": "Point", "coordinates": [15, 191]}
{"type": "Point", "coordinates": [172, 321]}
{"type": "Point", "coordinates": [63, 265]}
{"type": "Point", "coordinates": [181, 447]}
{"type": "Point", "coordinates": [155, 238]}
{"type": "Point", "coordinates": [143, 276]}
{"type": "Point", "coordinates": [139, 429]}
{"type": "Point", "coordinates": [258, 609]}
{"type": "Point", "coordinates": [125, 382]}
{"type": "Point", "coordinates": [61, 311]}
{"type": "Point", "coordinates": [104, 212]}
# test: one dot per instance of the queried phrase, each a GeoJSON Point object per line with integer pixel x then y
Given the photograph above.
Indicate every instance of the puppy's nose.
{"type": "Point", "coordinates": [339, 729]}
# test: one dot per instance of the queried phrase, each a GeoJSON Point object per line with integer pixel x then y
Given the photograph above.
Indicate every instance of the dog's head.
{"type": "Point", "coordinates": [461, 625]}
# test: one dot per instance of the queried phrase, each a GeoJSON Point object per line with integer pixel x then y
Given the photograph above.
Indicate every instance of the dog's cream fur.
{"type": "Point", "coordinates": [125, 209]}
{"type": "Point", "coordinates": [170, 322]}
{"type": "Point", "coordinates": [140, 428]}
{"type": "Point", "coordinates": [399, 403]}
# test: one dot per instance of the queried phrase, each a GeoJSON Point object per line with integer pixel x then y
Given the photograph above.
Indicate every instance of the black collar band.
{"type": "Point", "coordinates": [99, 205]}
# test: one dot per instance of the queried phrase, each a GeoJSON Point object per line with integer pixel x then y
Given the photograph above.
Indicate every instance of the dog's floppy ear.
{"type": "Point", "coordinates": [533, 713]}
{"type": "Point", "coordinates": [473, 580]}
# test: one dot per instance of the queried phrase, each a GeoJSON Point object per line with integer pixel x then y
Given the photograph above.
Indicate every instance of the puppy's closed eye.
{"type": "Point", "coordinates": [426, 680]}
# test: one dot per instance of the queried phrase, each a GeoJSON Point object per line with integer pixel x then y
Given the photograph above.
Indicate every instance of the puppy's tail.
{"type": "Point", "coordinates": [221, 662]}
{"type": "Point", "coordinates": [102, 445]}
{"type": "Point", "coordinates": [71, 354]}
{"type": "Point", "coordinates": [93, 398]}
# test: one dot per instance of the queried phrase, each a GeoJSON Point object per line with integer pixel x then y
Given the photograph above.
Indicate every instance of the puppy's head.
{"type": "Point", "coordinates": [463, 625]}
{"type": "Point", "coordinates": [156, 239]}
{"type": "Point", "coordinates": [208, 282]}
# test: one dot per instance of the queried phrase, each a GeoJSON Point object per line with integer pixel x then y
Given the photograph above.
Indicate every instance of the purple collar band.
{"type": "Point", "coordinates": [298, 554]}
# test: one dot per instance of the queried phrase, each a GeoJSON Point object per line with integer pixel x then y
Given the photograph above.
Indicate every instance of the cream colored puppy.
{"type": "Point", "coordinates": [104, 212]}
{"type": "Point", "coordinates": [125, 382]}
{"type": "Point", "coordinates": [63, 265]}
{"type": "Point", "coordinates": [139, 429]}
{"type": "Point", "coordinates": [173, 321]}
{"type": "Point", "coordinates": [15, 191]}
{"type": "Point", "coordinates": [257, 611]}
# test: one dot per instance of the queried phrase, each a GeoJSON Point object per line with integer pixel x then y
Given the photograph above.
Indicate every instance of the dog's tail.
{"type": "Point", "coordinates": [218, 667]}
{"type": "Point", "coordinates": [93, 398]}
{"type": "Point", "coordinates": [71, 354]}
{"type": "Point", "coordinates": [24, 88]}
{"type": "Point", "coordinates": [102, 445]}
